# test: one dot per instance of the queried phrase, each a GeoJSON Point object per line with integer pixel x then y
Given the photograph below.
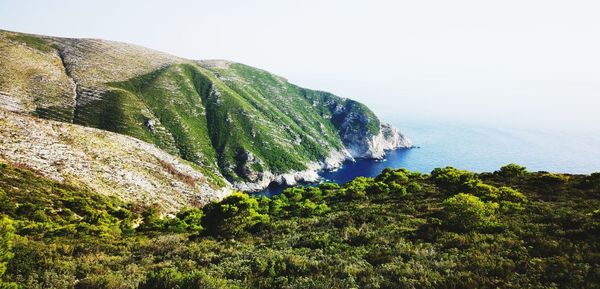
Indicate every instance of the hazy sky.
{"type": "Point", "coordinates": [531, 62]}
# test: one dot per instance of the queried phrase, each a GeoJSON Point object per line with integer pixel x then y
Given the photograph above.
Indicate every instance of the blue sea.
{"type": "Point", "coordinates": [479, 148]}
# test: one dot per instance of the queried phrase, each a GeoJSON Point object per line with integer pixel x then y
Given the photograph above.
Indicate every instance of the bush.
{"type": "Point", "coordinates": [233, 215]}
{"type": "Point", "coordinates": [398, 190]}
{"type": "Point", "coordinates": [151, 219]}
{"type": "Point", "coordinates": [6, 254]}
{"type": "Point", "coordinates": [550, 182]}
{"type": "Point", "coordinates": [170, 279]}
{"type": "Point", "coordinates": [414, 187]}
{"type": "Point", "coordinates": [308, 208]}
{"type": "Point", "coordinates": [452, 180]}
{"type": "Point", "coordinates": [484, 191]}
{"type": "Point", "coordinates": [511, 172]}
{"type": "Point", "coordinates": [378, 188]}
{"type": "Point", "coordinates": [189, 220]}
{"type": "Point", "coordinates": [464, 212]}
{"type": "Point", "coordinates": [511, 195]}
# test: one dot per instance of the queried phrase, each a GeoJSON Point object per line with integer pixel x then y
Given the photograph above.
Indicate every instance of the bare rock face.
{"type": "Point", "coordinates": [108, 163]}
{"type": "Point", "coordinates": [389, 138]}
{"type": "Point", "coordinates": [368, 146]}
{"type": "Point", "coordinates": [261, 180]}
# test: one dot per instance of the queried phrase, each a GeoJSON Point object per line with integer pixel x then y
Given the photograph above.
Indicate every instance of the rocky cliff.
{"type": "Point", "coordinates": [245, 125]}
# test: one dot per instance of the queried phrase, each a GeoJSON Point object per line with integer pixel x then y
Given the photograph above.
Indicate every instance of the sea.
{"type": "Point", "coordinates": [478, 148]}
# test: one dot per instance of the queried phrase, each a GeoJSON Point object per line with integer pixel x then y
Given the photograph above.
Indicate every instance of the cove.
{"type": "Point", "coordinates": [350, 170]}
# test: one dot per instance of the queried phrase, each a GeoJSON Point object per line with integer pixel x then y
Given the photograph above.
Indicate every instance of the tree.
{"type": "Point", "coordinates": [453, 180]}
{"type": "Point", "coordinates": [464, 212]}
{"type": "Point", "coordinates": [511, 172]}
{"type": "Point", "coordinates": [233, 215]}
{"type": "Point", "coordinates": [191, 220]}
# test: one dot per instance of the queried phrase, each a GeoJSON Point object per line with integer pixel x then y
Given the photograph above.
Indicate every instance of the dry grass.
{"type": "Point", "coordinates": [189, 180]}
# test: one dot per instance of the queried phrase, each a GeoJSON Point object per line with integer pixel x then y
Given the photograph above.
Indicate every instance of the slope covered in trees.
{"type": "Point", "coordinates": [448, 229]}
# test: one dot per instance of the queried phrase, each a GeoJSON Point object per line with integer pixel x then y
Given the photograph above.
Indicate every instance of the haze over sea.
{"type": "Point", "coordinates": [480, 148]}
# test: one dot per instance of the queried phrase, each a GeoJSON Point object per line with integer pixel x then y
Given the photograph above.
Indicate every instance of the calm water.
{"type": "Point", "coordinates": [480, 149]}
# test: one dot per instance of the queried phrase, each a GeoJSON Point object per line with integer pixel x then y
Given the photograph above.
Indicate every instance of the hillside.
{"type": "Point", "coordinates": [243, 123]}
{"type": "Point", "coordinates": [107, 163]}
{"type": "Point", "coordinates": [448, 229]}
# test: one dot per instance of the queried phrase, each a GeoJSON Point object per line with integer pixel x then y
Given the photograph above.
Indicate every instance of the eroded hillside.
{"type": "Point", "coordinates": [106, 162]}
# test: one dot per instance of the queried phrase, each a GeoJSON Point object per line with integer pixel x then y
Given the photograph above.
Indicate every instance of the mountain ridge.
{"type": "Point", "coordinates": [246, 124]}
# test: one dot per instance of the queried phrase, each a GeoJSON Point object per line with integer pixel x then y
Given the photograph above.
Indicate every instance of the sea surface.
{"type": "Point", "coordinates": [478, 148]}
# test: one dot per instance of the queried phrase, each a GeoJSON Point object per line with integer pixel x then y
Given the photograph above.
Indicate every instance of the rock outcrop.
{"type": "Point", "coordinates": [388, 138]}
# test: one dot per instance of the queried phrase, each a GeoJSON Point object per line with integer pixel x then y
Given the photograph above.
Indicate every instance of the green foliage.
{"type": "Point", "coordinates": [152, 219]}
{"type": "Point", "coordinates": [453, 181]}
{"type": "Point", "coordinates": [549, 182]}
{"type": "Point", "coordinates": [509, 194]}
{"type": "Point", "coordinates": [191, 219]}
{"type": "Point", "coordinates": [504, 233]}
{"type": "Point", "coordinates": [228, 119]}
{"type": "Point", "coordinates": [170, 278]}
{"type": "Point", "coordinates": [303, 202]}
{"type": "Point", "coordinates": [47, 208]}
{"type": "Point", "coordinates": [6, 239]}
{"type": "Point", "coordinates": [467, 212]}
{"type": "Point", "coordinates": [308, 208]}
{"type": "Point", "coordinates": [357, 188]}
{"type": "Point", "coordinates": [232, 216]}
{"type": "Point", "coordinates": [511, 172]}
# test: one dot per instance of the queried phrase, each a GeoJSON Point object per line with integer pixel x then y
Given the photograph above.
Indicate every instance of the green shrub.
{"type": "Point", "coordinates": [453, 181]}
{"type": "Point", "coordinates": [511, 195]}
{"type": "Point", "coordinates": [414, 187]}
{"type": "Point", "coordinates": [464, 212]}
{"type": "Point", "coordinates": [191, 220]}
{"type": "Point", "coordinates": [397, 190]}
{"type": "Point", "coordinates": [550, 182]}
{"type": "Point", "coordinates": [313, 193]}
{"type": "Point", "coordinates": [511, 172]}
{"type": "Point", "coordinates": [6, 242]}
{"type": "Point", "coordinates": [170, 278]}
{"type": "Point", "coordinates": [264, 204]}
{"type": "Point", "coordinates": [279, 205]}
{"type": "Point", "coordinates": [233, 215]}
{"type": "Point", "coordinates": [309, 208]}
{"type": "Point", "coordinates": [151, 219]}
{"type": "Point", "coordinates": [378, 188]}
{"type": "Point", "coordinates": [484, 191]}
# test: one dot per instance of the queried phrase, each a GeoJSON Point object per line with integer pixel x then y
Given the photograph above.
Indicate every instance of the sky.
{"type": "Point", "coordinates": [522, 63]}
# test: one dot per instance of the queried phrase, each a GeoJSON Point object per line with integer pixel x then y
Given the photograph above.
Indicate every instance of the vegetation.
{"type": "Point", "coordinates": [228, 119]}
{"type": "Point", "coordinates": [451, 229]}
{"type": "Point", "coordinates": [237, 120]}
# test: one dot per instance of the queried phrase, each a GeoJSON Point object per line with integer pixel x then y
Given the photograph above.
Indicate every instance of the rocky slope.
{"type": "Point", "coordinates": [106, 162]}
{"type": "Point", "coordinates": [241, 123]}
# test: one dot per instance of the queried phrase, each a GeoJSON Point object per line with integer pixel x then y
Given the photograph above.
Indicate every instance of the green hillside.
{"type": "Point", "coordinates": [449, 229]}
{"type": "Point", "coordinates": [224, 117]}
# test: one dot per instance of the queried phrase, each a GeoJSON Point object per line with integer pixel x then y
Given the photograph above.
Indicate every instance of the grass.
{"type": "Point", "coordinates": [32, 41]}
